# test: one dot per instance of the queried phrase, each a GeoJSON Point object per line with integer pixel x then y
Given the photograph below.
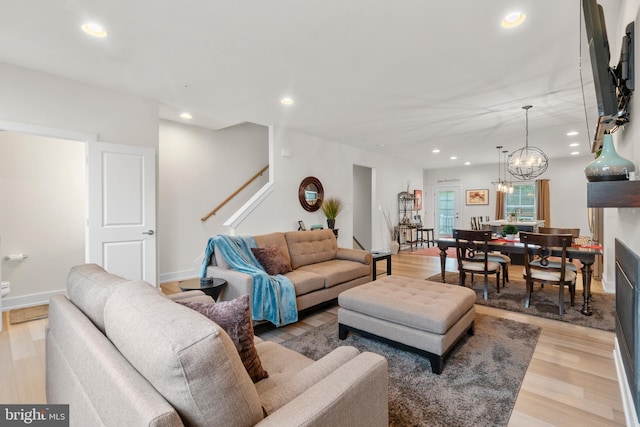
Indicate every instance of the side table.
{"type": "Point", "coordinates": [212, 289]}
{"type": "Point", "coordinates": [379, 256]}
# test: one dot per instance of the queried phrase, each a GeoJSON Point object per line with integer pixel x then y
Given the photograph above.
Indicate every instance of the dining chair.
{"type": "Point", "coordinates": [473, 257]}
{"type": "Point", "coordinates": [575, 233]}
{"type": "Point", "coordinates": [502, 259]}
{"type": "Point", "coordinates": [538, 268]}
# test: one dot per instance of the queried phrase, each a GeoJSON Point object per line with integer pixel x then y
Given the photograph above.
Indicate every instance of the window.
{"type": "Point", "coordinates": [522, 202]}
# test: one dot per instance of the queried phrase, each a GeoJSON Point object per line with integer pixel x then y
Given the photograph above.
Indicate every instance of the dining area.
{"type": "Point", "coordinates": [546, 256]}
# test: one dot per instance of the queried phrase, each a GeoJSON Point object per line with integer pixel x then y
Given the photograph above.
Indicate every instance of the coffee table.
{"type": "Point", "coordinates": [212, 289]}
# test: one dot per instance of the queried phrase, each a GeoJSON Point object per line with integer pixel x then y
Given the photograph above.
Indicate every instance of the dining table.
{"type": "Point", "coordinates": [585, 254]}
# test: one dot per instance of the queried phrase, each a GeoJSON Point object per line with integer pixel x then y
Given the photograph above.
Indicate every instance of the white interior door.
{"type": "Point", "coordinates": [122, 215]}
{"type": "Point", "coordinates": [447, 210]}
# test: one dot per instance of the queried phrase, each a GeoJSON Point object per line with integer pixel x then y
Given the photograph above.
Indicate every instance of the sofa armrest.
{"type": "Point", "coordinates": [354, 255]}
{"type": "Point", "coordinates": [356, 394]}
{"type": "Point", "coordinates": [238, 283]}
{"type": "Point", "coordinates": [276, 397]}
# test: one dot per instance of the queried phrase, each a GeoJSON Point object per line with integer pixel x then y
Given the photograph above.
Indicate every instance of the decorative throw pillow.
{"type": "Point", "coordinates": [272, 259]}
{"type": "Point", "coordinates": [235, 318]}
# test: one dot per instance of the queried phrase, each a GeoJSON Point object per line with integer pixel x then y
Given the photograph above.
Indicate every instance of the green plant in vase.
{"type": "Point", "coordinates": [509, 231]}
{"type": "Point", "coordinates": [331, 207]}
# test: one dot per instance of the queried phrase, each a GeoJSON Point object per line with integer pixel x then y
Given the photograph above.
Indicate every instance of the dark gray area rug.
{"type": "Point", "coordinates": [544, 301]}
{"type": "Point", "coordinates": [478, 386]}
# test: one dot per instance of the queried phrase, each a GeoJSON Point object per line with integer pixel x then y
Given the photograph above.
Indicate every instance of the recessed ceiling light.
{"type": "Point", "coordinates": [453, 157]}
{"type": "Point", "coordinates": [436, 151]}
{"type": "Point", "coordinates": [94, 29]}
{"type": "Point", "coordinates": [513, 20]}
{"type": "Point", "coordinates": [575, 144]}
{"type": "Point", "coordinates": [286, 101]}
{"type": "Point", "coordinates": [186, 115]}
{"type": "Point", "coordinates": [575, 153]}
{"type": "Point", "coordinates": [572, 133]}
{"type": "Point", "coordinates": [467, 163]}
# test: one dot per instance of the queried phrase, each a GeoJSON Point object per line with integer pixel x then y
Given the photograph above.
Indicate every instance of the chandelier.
{"type": "Point", "coordinates": [527, 162]}
{"type": "Point", "coordinates": [501, 184]}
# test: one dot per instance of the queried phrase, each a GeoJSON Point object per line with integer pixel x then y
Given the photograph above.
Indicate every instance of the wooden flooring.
{"type": "Point", "coordinates": [571, 379]}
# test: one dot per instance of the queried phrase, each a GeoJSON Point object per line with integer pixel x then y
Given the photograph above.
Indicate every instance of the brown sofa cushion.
{"type": "Point", "coordinates": [310, 247]}
{"type": "Point", "coordinates": [272, 260]}
{"type": "Point", "coordinates": [337, 271]}
{"type": "Point", "coordinates": [305, 281]}
{"type": "Point", "coordinates": [235, 318]}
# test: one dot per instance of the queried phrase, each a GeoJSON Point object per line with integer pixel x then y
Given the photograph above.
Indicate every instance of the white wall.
{"type": "Point", "coordinates": [40, 99]}
{"type": "Point", "coordinates": [332, 163]}
{"type": "Point", "coordinates": [43, 211]}
{"type": "Point", "coordinates": [185, 176]}
{"type": "Point", "coordinates": [568, 187]}
{"type": "Point", "coordinates": [196, 174]}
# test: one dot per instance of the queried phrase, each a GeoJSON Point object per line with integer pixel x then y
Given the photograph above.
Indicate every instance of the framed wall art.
{"type": "Point", "coordinates": [477, 197]}
{"type": "Point", "coordinates": [417, 200]}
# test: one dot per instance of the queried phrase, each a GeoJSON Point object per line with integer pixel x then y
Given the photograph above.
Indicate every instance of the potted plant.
{"type": "Point", "coordinates": [509, 231]}
{"type": "Point", "coordinates": [331, 207]}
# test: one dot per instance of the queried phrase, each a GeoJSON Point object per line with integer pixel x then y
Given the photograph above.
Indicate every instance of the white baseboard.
{"type": "Point", "coordinates": [627, 401]}
{"type": "Point", "coordinates": [12, 303]}
{"type": "Point", "coordinates": [608, 286]}
{"type": "Point", "coordinates": [179, 275]}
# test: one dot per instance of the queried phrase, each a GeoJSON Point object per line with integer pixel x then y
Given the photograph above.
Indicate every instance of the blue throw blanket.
{"type": "Point", "coordinates": [273, 297]}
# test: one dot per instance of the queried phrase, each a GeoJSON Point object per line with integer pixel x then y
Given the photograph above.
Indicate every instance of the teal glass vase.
{"type": "Point", "coordinates": [609, 166]}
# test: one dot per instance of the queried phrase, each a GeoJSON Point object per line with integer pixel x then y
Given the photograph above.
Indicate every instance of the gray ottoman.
{"type": "Point", "coordinates": [417, 315]}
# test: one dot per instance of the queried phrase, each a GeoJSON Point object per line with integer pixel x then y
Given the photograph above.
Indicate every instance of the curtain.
{"type": "Point", "coordinates": [543, 210]}
{"type": "Point", "coordinates": [500, 201]}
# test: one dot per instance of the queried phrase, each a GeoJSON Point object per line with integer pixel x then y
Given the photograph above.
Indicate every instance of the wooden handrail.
{"type": "Point", "coordinates": [253, 178]}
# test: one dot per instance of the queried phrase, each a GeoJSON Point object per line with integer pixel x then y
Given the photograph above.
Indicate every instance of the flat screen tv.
{"type": "Point", "coordinates": [613, 86]}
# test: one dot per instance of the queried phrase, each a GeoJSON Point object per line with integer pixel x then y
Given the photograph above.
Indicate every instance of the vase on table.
{"type": "Point", "coordinates": [609, 166]}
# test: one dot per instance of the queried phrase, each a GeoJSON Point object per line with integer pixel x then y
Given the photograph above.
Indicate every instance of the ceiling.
{"type": "Point", "coordinates": [396, 77]}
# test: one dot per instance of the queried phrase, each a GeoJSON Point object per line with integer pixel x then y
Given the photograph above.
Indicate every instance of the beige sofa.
{"type": "Point", "coordinates": [122, 354]}
{"type": "Point", "coordinates": [321, 270]}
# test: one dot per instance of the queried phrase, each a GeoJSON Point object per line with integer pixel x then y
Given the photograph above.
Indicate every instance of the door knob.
{"type": "Point", "coordinates": [150, 232]}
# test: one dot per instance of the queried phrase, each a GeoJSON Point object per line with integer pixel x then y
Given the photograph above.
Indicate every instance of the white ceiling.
{"type": "Point", "coordinates": [398, 77]}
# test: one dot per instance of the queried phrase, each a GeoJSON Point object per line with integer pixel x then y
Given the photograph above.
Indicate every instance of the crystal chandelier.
{"type": "Point", "coordinates": [501, 184]}
{"type": "Point", "coordinates": [527, 162]}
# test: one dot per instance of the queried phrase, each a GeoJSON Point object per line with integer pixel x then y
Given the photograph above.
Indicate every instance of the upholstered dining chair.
{"type": "Point", "coordinates": [575, 233]}
{"type": "Point", "coordinates": [473, 256]}
{"type": "Point", "coordinates": [502, 259]}
{"type": "Point", "coordinates": [538, 268]}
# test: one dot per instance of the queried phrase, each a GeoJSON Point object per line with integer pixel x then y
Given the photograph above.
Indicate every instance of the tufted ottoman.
{"type": "Point", "coordinates": [416, 315]}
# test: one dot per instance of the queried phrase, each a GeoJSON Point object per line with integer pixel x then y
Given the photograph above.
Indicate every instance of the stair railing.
{"type": "Point", "coordinates": [235, 193]}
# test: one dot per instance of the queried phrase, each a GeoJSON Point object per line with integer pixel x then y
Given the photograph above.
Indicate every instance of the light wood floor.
{"type": "Point", "coordinates": [571, 379]}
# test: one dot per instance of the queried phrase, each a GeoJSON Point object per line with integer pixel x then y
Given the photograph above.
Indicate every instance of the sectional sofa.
{"type": "Point", "coordinates": [120, 353]}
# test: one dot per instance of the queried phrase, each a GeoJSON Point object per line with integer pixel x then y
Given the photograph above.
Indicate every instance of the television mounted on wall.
{"type": "Point", "coordinates": [613, 85]}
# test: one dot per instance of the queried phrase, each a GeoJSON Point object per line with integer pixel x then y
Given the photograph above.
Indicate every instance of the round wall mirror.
{"type": "Point", "coordinates": [310, 194]}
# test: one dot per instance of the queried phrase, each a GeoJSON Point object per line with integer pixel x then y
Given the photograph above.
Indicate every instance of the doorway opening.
{"type": "Point", "coordinates": [362, 207]}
